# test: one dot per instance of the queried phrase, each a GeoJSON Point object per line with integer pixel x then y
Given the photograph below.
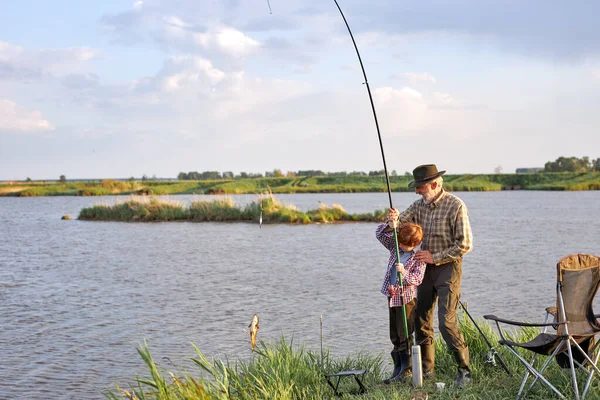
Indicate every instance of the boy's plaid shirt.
{"type": "Point", "coordinates": [411, 277]}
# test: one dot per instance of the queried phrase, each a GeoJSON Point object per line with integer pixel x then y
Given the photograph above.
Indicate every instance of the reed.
{"type": "Point", "coordinates": [282, 370]}
{"type": "Point", "coordinates": [136, 208]}
{"type": "Point", "coordinates": [216, 210]}
{"type": "Point", "coordinates": [151, 208]}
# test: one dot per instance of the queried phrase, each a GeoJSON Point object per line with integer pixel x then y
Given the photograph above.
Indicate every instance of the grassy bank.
{"type": "Point", "coordinates": [283, 371]}
{"type": "Point", "coordinates": [298, 184]}
{"type": "Point", "coordinates": [142, 208]}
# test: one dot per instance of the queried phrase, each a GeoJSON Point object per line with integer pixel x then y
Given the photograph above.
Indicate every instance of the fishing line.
{"type": "Point", "coordinates": [416, 360]}
{"type": "Point", "coordinates": [387, 178]}
{"type": "Point", "coordinates": [417, 377]}
{"type": "Point", "coordinates": [269, 4]}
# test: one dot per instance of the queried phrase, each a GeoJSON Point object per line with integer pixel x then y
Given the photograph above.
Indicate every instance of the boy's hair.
{"type": "Point", "coordinates": [410, 234]}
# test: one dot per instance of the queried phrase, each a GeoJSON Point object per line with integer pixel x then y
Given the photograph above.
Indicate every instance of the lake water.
{"type": "Point", "coordinates": [77, 297]}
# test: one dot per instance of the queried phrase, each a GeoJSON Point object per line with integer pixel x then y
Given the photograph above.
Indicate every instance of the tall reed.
{"type": "Point", "coordinates": [283, 370]}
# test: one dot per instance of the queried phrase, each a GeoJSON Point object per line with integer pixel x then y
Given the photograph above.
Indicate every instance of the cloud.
{"type": "Point", "coordinates": [415, 78]}
{"type": "Point", "coordinates": [402, 112]}
{"type": "Point", "coordinates": [80, 81]}
{"type": "Point", "coordinates": [187, 33]}
{"type": "Point", "coordinates": [226, 40]}
{"type": "Point", "coordinates": [190, 70]}
{"type": "Point", "coordinates": [19, 62]}
{"type": "Point", "coordinates": [538, 28]}
{"type": "Point", "coordinates": [535, 28]}
{"type": "Point", "coordinates": [16, 119]}
{"type": "Point", "coordinates": [444, 100]}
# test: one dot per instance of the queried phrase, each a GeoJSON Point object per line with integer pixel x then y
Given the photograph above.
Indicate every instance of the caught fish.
{"type": "Point", "coordinates": [253, 330]}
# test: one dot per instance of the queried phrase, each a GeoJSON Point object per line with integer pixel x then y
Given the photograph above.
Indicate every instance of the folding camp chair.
{"type": "Point", "coordinates": [578, 279]}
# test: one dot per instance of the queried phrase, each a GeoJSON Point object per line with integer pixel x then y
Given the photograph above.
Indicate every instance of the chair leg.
{"type": "Point", "coordinates": [546, 364]}
{"type": "Point", "coordinates": [535, 373]}
{"type": "Point", "coordinates": [525, 379]}
{"type": "Point", "coordinates": [573, 375]}
{"type": "Point", "coordinates": [527, 370]}
{"type": "Point", "coordinates": [593, 365]}
{"type": "Point", "coordinates": [591, 374]}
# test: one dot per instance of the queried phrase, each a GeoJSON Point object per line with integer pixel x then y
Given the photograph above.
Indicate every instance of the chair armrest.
{"type": "Point", "coordinates": [552, 310]}
{"type": "Point", "coordinates": [517, 323]}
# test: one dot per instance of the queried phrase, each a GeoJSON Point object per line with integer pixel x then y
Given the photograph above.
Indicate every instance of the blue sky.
{"type": "Point", "coordinates": [127, 88]}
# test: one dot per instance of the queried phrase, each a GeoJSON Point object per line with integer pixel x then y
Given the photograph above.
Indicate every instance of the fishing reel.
{"type": "Point", "coordinates": [491, 358]}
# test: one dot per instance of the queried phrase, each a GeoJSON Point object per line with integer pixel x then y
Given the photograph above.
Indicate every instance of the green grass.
{"type": "Point", "coordinates": [299, 184]}
{"type": "Point", "coordinates": [283, 370]}
{"type": "Point", "coordinates": [151, 208]}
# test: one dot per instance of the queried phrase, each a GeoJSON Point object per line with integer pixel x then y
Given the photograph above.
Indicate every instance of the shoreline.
{"type": "Point", "coordinates": [551, 181]}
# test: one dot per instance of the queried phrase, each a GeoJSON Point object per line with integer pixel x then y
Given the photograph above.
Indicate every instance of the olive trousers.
{"type": "Point", "coordinates": [441, 285]}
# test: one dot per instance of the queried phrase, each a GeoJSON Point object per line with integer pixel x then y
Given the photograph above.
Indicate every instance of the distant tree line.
{"type": "Point", "coordinates": [572, 164]}
{"type": "Point", "coordinates": [276, 173]}
{"type": "Point", "coordinates": [562, 164]}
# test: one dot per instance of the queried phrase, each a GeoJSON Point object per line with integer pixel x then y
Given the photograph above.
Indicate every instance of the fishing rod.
{"type": "Point", "coordinates": [493, 354]}
{"type": "Point", "coordinates": [416, 350]}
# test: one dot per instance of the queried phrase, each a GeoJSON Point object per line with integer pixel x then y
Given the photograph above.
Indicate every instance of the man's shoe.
{"type": "Point", "coordinates": [463, 377]}
{"type": "Point", "coordinates": [428, 374]}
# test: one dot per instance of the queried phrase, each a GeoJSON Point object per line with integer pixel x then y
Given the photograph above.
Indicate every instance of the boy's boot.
{"type": "Point", "coordinates": [397, 367]}
{"type": "Point", "coordinates": [402, 367]}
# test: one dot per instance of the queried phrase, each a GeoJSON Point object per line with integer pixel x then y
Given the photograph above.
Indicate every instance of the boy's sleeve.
{"type": "Point", "coordinates": [385, 238]}
{"type": "Point", "coordinates": [386, 282]}
{"type": "Point", "coordinates": [414, 273]}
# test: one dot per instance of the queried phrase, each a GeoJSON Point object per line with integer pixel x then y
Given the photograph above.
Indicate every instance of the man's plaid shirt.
{"type": "Point", "coordinates": [411, 277]}
{"type": "Point", "coordinates": [446, 227]}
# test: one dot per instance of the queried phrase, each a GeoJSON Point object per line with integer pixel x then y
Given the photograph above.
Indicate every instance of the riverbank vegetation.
{"type": "Point", "coordinates": [283, 370]}
{"type": "Point", "coordinates": [267, 208]}
{"type": "Point", "coordinates": [303, 184]}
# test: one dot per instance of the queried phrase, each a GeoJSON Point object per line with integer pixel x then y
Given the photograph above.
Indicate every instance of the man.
{"type": "Point", "coordinates": [445, 222]}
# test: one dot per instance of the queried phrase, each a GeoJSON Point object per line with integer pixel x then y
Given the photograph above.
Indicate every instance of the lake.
{"type": "Point", "coordinates": [77, 298]}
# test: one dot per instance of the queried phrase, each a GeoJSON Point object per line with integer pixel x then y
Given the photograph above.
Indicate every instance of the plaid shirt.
{"type": "Point", "coordinates": [445, 224]}
{"type": "Point", "coordinates": [411, 277]}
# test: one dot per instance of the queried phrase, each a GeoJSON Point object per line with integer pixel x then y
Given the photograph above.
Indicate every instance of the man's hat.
{"type": "Point", "coordinates": [425, 173]}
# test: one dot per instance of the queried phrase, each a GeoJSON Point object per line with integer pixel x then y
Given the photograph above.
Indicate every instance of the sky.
{"type": "Point", "coordinates": [116, 89]}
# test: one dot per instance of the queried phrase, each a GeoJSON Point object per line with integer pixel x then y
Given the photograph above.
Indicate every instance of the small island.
{"type": "Point", "coordinates": [266, 210]}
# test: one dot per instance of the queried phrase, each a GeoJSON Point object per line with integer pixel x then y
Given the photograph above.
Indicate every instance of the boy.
{"type": "Point", "coordinates": [412, 271]}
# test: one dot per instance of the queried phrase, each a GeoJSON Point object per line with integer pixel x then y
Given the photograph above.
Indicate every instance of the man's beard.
{"type": "Point", "coordinates": [428, 197]}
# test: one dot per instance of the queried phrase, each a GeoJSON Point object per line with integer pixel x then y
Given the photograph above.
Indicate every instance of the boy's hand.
{"type": "Point", "coordinates": [392, 290]}
{"type": "Point", "coordinates": [400, 268]}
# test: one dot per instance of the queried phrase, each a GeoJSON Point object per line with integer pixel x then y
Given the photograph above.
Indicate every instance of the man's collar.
{"type": "Point", "coordinates": [439, 197]}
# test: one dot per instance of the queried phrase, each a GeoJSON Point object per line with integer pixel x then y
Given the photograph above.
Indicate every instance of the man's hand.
{"type": "Point", "coordinates": [424, 256]}
{"type": "Point", "coordinates": [393, 218]}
